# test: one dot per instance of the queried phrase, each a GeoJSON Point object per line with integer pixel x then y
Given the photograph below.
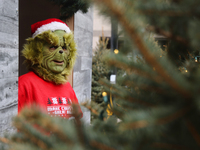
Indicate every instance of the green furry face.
{"type": "Point", "coordinates": [55, 56]}
{"type": "Point", "coordinates": [43, 55]}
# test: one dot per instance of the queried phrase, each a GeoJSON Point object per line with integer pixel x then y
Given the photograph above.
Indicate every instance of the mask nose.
{"type": "Point", "coordinates": [60, 51]}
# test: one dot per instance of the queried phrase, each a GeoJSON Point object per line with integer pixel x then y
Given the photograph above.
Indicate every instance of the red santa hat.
{"type": "Point", "coordinates": [49, 24]}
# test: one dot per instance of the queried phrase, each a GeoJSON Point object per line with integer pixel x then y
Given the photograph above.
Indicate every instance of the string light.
{"type": "Point", "coordinates": [197, 59]}
{"type": "Point", "coordinates": [104, 94]}
{"type": "Point", "coordinates": [105, 98]}
{"type": "Point", "coordinates": [116, 51]}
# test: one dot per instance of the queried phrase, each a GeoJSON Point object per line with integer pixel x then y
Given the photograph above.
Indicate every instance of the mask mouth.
{"type": "Point", "coordinates": [58, 62]}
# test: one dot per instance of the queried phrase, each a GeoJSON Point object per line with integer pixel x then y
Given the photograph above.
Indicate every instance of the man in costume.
{"type": "Point", "coordinates": [50, 55]}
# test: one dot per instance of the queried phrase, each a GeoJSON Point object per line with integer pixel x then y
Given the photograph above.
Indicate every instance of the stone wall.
{"type": "Point", "coordinates": [8, 63]}
{"type": "Point", "coordinates": [82, 75]}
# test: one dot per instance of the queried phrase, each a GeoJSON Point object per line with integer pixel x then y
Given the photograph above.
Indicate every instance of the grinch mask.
{"type": "Point", "coordinates": [51, 55]}
{"type": "Point", "coordinates": [55, 56]}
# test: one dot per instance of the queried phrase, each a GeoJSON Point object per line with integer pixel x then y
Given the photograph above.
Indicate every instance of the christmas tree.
{"type": "Point", "coordinates": [157, 96]}
{"type": "Point", "coordinates": [99, 70]}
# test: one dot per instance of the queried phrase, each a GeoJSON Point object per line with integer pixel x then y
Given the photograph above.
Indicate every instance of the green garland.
{"type": "Point", "coordinates": [69, 7]}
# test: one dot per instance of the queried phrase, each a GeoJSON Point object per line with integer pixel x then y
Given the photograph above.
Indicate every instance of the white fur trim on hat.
{"type": "Point", "coordinates": [52, 26]}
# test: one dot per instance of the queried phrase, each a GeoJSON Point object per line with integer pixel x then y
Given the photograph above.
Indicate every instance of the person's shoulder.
{"type": "Point", "coordinates": [68, 87]}
{"type": "Point", "coordinates": [67, 84]}
{"type": "Point", "coordinates": [30, 76]}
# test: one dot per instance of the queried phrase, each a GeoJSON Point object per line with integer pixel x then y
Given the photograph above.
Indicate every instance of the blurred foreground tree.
{"type": "Point", "coordinates": [157, 98]}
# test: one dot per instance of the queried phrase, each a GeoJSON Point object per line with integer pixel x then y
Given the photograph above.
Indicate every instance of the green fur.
{"type": "Point", "coordinates": [33, 52]}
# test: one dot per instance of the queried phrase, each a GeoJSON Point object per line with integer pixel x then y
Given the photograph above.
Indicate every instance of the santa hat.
{"type": "Point", "coordinates": [49, 24]}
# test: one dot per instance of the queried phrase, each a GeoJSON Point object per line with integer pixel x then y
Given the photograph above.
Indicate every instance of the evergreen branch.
{"type": "Point", "coordinates": [130, 107]}
{"type": "Point", "coordinates": [138, 101]}
{"type": "Point", "coordinates": [146, 87]}
{"type": "Point", "coordinates": [59, 133]}
{"type": "Point", "coordinates": [171, 13]}
{"type": "Point", "coordinates": [119, 114]}
{"type": "Point", "coordinates": [78, 126]}
{"type": "Point", "coordinates": [167, 34]}
{"type": "Point", "coordinates": [128, 97]}
{"type": "Point", "coordinates": [165, 12]}
{"type": "Point", "coordinates": [174, 116]}
{"type": "Point", "coordinates": [44, 122]}
{"type": "Point", "coordinates": [30, 133]}
{"type": "Point", "coordinates": [134, 125]}
{"type": "Point", "coordinates": [144, 123]}
{"type": "Point", "coordinates": [129, 3]}
{"type": "Point", "coordinates": [90, 108]}
{"type": "Point", "coordinates": [129, 82]}
{"type": "Point", "coordinates": [129, 69]}
{"type": "Point", "coordinates": [151, 88]}
{"type": "Point", "coordinates": [100, 146]}
{"type": "Point", "coordinates": [119, 12]}
{"type": "Point", "coordinates": [38, 142]}
{"type": "Point", "coordinates": [4, 140]}
{"type": "Point", "coordinates": [170, 146]}
{"type": "Point", "coordinates": [193, 131]}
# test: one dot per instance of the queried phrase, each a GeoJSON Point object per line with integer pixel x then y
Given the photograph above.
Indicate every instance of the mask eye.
{"type": "Point", "coordinates": [53, 47]}
{"type": "Point", "coordinates": [64, 48]}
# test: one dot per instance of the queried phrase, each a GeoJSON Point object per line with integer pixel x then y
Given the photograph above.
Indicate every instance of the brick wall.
{"type": "Point", "coordinates": [8, 63]}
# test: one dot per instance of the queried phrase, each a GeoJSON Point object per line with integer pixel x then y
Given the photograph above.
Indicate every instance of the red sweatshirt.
{"type": "Point", "coordinates": [55, 99]}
